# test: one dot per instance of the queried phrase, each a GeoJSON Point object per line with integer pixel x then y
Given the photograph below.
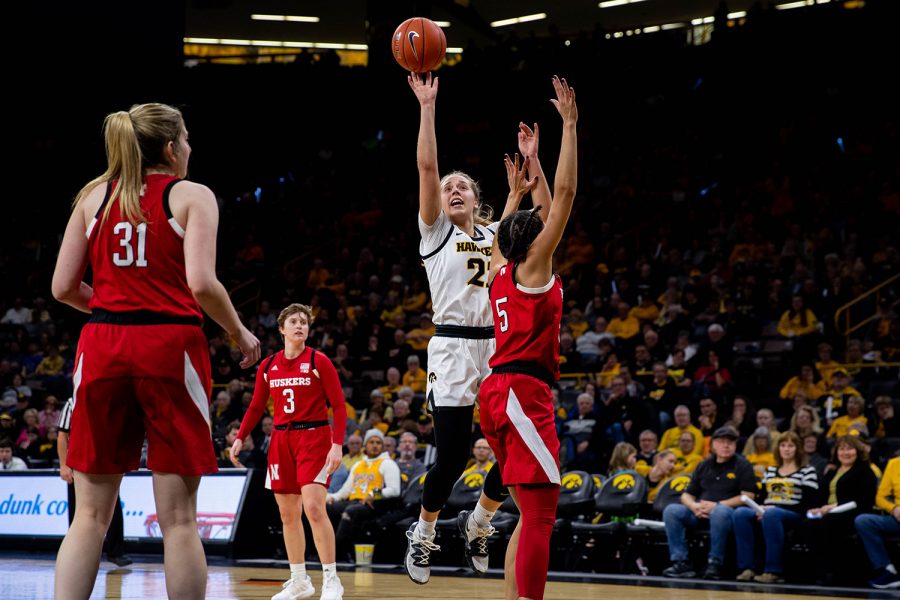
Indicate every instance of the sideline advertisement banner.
{"type": "Point", "coordinates": [36, 504]}
{"type": "Point", "coordinates": [33, 505]}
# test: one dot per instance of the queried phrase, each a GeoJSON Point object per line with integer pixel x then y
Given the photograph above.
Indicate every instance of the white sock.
{"type": "Point", "coordinates": [298, 571]}
{"type": "Point", "coordinates": [329, 568]}
{"type": "Point", "coordinates": [891, 568]}
{"type": "Point", "coordinates": [480, 517]}
{"type": "Point", "coordinates": [425, 529]}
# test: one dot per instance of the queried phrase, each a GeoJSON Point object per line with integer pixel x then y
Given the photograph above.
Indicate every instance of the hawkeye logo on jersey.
{"type": "Point", "coordinates": [472, 247]}
{"type": "Point", "coordinates": [290, 381]}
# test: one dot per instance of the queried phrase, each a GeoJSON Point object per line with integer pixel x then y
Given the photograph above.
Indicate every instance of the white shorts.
{"type": "Point", "coordinates": [456, 369]}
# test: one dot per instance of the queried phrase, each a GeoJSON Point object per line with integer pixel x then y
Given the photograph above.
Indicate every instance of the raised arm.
{"type": "Point", "coordinates": [538, 267]}
{"type": "Point", "coordinates": [426, 148]}
{"type": "Point", "coordinates": [528, 146]}
{"type": "Point", "coordinates": [519, 185]}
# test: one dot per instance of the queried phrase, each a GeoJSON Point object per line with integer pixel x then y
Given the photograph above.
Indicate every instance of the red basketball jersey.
{"type": "Point", "coordinates": [300, 392]}
{"type": "Point", "coordinates": [141, 267]}
{"type": "Point", "coordinates": [526, 321]}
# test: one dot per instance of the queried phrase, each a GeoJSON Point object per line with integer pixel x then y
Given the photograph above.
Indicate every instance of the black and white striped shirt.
{"type": "Point", "coordinates": [65, 415]}
{"type": "Point", "coordinates": [792, 492]}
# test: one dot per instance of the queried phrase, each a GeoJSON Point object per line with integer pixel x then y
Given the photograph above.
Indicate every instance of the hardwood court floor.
{"type": "Point", "coordinates": [32, 579]}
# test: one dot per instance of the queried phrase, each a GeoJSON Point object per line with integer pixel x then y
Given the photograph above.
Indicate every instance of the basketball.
{"type": "Point", "coordinates": [419, 45]}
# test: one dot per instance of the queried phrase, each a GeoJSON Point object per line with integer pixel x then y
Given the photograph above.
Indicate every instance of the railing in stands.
{"type": "Point", "coordinates": [845, 316]}
{"type": "Point", "coordinates": [252, 292]}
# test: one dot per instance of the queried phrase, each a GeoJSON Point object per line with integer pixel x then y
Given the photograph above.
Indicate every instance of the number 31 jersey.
{"type": "Point", "coordinates": [526, 321]}
{"type": "Point", "coordinates": [457, 267]}
{"type": "Point", "coordinates": [140, 267]}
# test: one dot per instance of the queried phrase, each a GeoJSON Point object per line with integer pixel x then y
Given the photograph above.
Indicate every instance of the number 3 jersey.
{"type": "Point", "coordinates": [526, 321]}
{"type": "Point", "coordinates": [140, 267]}
{"type": "Point", "coordinates": [302, 390]}
{"type": "Point", "coordinates": [457, 267]}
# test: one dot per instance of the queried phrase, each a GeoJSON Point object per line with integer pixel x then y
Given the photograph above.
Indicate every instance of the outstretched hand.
{"type": "Point", "coordinates": [519, 184]}
{"type": "Point", "coordinates": [565, 100]}
{"type": "Point", "coordinates": [425, 88]}
{"type": "Point", "coordinates": [528, 140]}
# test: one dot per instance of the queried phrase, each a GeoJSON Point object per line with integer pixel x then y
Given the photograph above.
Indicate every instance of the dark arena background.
{"type": "Point", "coordinates": [731, 260]}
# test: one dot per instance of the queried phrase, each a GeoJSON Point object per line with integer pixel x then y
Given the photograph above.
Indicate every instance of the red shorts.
{"type": "Point", "coordinates": [298, 457]}
{"type": "Point", "coordinates": [133, 381]}
{"type": "Point", "coordinates": [518, 423]}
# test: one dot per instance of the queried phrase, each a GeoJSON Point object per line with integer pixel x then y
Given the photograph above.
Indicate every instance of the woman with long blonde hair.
{"type": "Point", "coordinates": [142, 365]}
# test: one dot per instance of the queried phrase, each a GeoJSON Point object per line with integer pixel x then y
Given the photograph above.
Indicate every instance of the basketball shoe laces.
{"type": "Point", "coordinates": [422, 549]}
{"type": "Point", "coordinates": [481, 539]}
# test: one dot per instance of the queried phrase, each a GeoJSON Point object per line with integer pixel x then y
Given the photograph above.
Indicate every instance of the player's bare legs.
{"type": "Point", "coordinates": [313, 497]}
{"type": "Point", "coordinates": [299, 585]}
{"type": "Point", "coordinates": [184, 559]}
{"type": "Point", "coordinates": [78, 558]}
{"type": "Point", "coordinates": [323, 534]}
{"type": "Point", "coordinates": [291, 508]}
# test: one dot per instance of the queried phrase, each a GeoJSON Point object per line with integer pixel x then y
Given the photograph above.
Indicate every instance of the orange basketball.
{"type": "Point", "coordinates": [419, 45]}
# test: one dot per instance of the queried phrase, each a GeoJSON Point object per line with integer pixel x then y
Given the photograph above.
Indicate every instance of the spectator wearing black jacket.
{"type": "Point", "coordinates": [849, 479]}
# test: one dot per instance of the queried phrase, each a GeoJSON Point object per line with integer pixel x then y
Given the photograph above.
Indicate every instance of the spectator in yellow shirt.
{"type": "Point", "coordinates": [354, 451]}
{"type": "Point", "coordinates": [873, 528]}
{"type": "Point", "coordinates": [841, 426]}
{"type": "Point", "coordinates": [611, 369]}
{"type": "Point", "coordinates": [798, 321]}
{"type": "Point", "coordinates": [686, 457]}
{"type": "Point", "coordinates": [416, 299]}
{"type": "Point", "coordinates": [415, 377]}
{"type": "Point", "coordinates": [318, 275]}
{"type": "Point", "coordinates": [761, 455]}
{"type": "Point", "coordinates": [52, 364]}
{"type": "Point", "coordinates": [804, 383]}
{"type": "Point", "coordinates": [481, 458]}
{"type": "Point", "coordinates": [826, 364]}
{"type": "Point", "coordinates": [418, 337]}
{"type": "Point", "coordinates": [646, 311]}
{"type": "Point", "coordinates": [624, 326]}
{"type": "Point", "coordinates": [389, 391]}
{"type": "Point", "coordinates": [662, 470]}
{"type": "Point", "coordinates": [577, 323]}
{"type": "Point", "coordinates": [647, 441]}
{"type": "Point", "coordinates": [392, 310]}
{"type": "Point", "coordinates": [672, 437]}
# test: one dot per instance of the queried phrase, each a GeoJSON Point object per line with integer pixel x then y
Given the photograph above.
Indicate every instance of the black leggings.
{"type": "Point", "coordinates": [452, 436]}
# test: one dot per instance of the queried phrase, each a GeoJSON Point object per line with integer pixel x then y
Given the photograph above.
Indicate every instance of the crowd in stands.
{"type": "Point", "coordinates": [689, 257]}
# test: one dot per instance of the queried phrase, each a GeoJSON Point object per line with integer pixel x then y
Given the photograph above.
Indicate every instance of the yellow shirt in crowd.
{"type": "Point", "coordinates": [685, 465]}
{"type": "Point", "coordinates": [888, 496]}
{"type": "Point", "coordinates": [669, 439]}
{"type": "Point", "coordinates": [625, 329]}
{"type": "Point", "coordinates": [416, 380]}
{"type": "Point", "coordinates": [842, 425]}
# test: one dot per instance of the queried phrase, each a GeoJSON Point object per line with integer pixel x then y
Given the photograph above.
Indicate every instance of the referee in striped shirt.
{"type": "Point", "coordinates": [115, 535]}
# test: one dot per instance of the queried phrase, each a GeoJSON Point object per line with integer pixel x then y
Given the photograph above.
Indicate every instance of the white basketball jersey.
{"type": "Point", "coordinates": [457, 267]}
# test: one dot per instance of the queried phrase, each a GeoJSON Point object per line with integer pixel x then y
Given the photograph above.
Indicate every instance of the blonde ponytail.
{"type": "Point", "coordinates": [135, 141]}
